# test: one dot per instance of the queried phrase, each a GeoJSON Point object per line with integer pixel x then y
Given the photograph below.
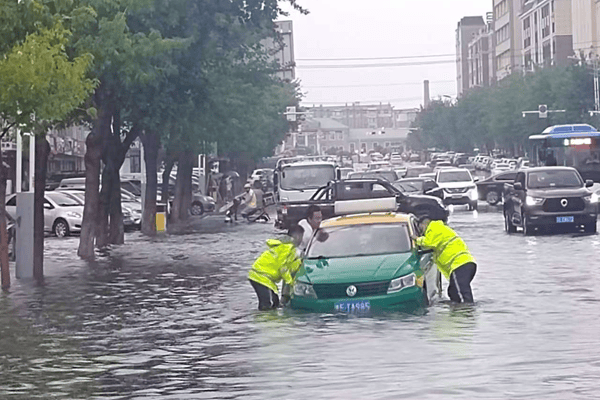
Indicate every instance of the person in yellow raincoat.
{"type": "Point", "coordinates": [451, 256]}
{"type": "Point", "coordinates": [279, 262]}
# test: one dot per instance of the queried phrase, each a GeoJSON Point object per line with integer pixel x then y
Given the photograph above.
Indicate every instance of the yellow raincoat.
{"type": "Point", "coordinates": [279, 262]}
{"type": "Point", "coordinates": [449, 250]}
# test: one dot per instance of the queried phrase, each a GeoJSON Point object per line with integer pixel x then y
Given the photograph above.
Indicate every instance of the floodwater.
{"type": "Point", "coordinates": [175, 318]}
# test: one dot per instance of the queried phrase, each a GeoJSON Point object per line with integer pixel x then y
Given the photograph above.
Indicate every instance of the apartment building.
{"type": "Point", "coordinates": [586, 27]}
{"type": "Point", "coordinates": [482, 67]}
{"type": "Point", "coordinates": [281, 50]}
{"type": "Point", "coordinates": [366, 116]}
{"type": "Point", "coordinates": [547, 33]}
{"type": "Point", "coordinates": [507, 37]}
{"type": "Point", "coordinates": [467, 29]}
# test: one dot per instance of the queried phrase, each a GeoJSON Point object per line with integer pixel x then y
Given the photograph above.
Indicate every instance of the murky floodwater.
{"type": "Point", "coordinates": [175, 319]}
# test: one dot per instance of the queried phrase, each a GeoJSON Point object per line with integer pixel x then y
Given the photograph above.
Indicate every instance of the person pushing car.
{"type": "Point", "coordinates": [451, 256]}
{"type": "Point", "coordinates": [279, 262]}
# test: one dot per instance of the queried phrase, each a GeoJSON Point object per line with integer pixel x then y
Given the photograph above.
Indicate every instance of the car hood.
{"type": "Point", "coordinates": [455, 185]}
{"type": "Point", "coordinates": [558, 192]}
{"type": "Point", "coordinates": [132, 205]}
{"type": "Point", "coordinates": [358, 268]}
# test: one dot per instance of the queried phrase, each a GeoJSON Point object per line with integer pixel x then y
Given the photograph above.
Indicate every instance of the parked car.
{"type": "Point", "coordinates": [459, 187]}
{"type": "Point", "coordinates": [549, 197]}
{"type": "Point", "coordinates": [62, 213]}
{"type": "Point", "coordinates": [491, 189]}
{"type": "Point", "coordinates": [499, 168]}
{"type": "Point", "coordinates": [364, 263]}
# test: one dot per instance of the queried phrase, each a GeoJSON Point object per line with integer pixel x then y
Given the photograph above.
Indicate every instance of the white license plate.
{"type": "Point", "coordinates": [562, 220]}
{"type": "Point", "coordinates": [457, 196]}
{"type": "Point", "coordinates": [358, 306]}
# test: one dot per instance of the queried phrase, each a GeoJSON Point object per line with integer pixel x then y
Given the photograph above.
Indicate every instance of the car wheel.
{"type": "Point", "coordinates": [508, 225]}
{"type": "Point", "coordinates": [590, 228]}
{"type": "Point", "coordinates": [197, 208]}
{"type": "Point", "coordinates": [527, 228]}
{"type": "Point", "coordinates": [492, 198]}
{"type": "Point", "coordinates": [60, 228]}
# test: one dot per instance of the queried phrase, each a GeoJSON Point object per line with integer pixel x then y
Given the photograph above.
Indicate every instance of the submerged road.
{"type": "Point", "coordinates": [175, 318]}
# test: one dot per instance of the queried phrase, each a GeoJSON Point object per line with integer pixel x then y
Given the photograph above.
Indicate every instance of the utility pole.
{"type": "Point", "coordinates": [291, 115]}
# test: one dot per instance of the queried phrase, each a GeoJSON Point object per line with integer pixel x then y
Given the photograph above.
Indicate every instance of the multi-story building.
{"type": "Point", "coordinates": [507, 37]}
{"type": "Point", "coordinates": [466, 31]}
{"type": "Point", "coordinates": [67, 150]}
{"type": "Point", "coordinates": [586, 27]}
{"type": "Point", "coordinates": [482, 71]}
{"type": "Point", "coordinates": [547, 33]}
{"type": "Point", "coordinates": [366, 116]}
{"type": "Point", "coordinates": [281, 49]}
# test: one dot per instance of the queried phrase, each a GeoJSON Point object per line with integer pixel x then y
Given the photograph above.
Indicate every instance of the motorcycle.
{"type": "Point", "coordinates": [260, 214]}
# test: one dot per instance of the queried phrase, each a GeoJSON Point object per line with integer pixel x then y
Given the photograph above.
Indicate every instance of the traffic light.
{"type": "Point", "coordinates": [543, 110]}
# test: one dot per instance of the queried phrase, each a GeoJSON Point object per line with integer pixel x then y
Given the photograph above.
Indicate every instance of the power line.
{"type": "Point", "coordinates": [338, 66]}
{"type": "Point", "coordinates": [364, 101]}
{"type": "Point", "coordinates": [376, 58]}
{"type": "Point", "coordinates": [375, 85]}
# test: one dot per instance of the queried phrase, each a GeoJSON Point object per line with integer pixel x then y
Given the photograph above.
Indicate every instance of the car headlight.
{"type": "Point", "coordinates": [473, 193]}
{"type": "Point", "coordinates": [73, 214]}
{"type": "Point", "coordinates": [398, 284]}
{"type": "Point", "coordinates": [533, 201]}
{"type": "Point", "coordinates": [136, 212]}
{"type": "Point", "coordinates": [210, 199]}
{"type": "Point", "coordinates": [302, 289]}
{"type": "Point", "coordinates": [592, 198]}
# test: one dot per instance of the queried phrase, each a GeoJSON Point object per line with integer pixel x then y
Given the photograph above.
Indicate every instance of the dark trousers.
{"type": "Point", "coordinates": [459, 290]}
{"type": "Point", "coordinates": [267, 299]}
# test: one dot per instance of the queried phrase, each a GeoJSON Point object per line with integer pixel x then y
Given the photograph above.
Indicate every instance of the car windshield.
{"type": "Point", "coordinates": [409, 186]}
{"type": "Point", "coordinates": [454, 176]}
{"type": "Point", "coordinates": [360, 240]}
{"type": "Point", "coordinates": [554, 179]}
{"type": "Point", "coordinates": [306, 177]}
{"type": "Point", "coordinates": [63, 200]}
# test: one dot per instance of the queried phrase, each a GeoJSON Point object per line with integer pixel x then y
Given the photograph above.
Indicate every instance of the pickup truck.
{"type": "Point", "coordinates": [548, 197]}
{"type": "Point", "coordinates": [352, 196]}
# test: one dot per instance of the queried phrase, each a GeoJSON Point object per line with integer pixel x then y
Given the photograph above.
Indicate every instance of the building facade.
{"type": "Point", "coordinates": [482, 71]}
{"type": "Point", "coordinates": [507, 37]}
{"type": "Point", "coordinates": [547, 33]}
{"type": "Point", "coordinates": [281, 50]}
{"type": "Point", "coordinates": [586, 27]}
{"type": "Point", "coordinates": [466, 31]}
{"type": "Point", "coordinates": [67, 150]}
{"type": "Point", "coordinates": [366, 116]}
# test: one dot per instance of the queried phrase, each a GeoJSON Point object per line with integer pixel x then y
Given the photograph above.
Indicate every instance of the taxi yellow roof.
{"type": "Point", "coordinates": [360, 219]}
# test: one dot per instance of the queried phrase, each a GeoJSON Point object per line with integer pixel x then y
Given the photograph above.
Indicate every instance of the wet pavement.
{"type": "Point", "coordinates": [175, 318]}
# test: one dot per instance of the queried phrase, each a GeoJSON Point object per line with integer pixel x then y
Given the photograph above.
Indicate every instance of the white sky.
{"type": "Point", "coordinates": [378, 28]}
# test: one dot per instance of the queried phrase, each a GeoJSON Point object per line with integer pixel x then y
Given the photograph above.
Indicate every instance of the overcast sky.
{"type": "Point", "coordinates": [376, 29]}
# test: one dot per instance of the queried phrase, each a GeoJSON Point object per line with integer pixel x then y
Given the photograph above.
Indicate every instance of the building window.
{"type": "Point", "coordinates": [332, 136]}
{"type": "Point", "coordinates": [135, 166]}
{"type": "Point", "coordinates": [352, 148]}
{"type": "Point", "coordinates": [340, 135]}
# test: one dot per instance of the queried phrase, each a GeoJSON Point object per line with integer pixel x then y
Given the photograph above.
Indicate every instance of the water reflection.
{"type": "Point", "coordinates": [175, 318]}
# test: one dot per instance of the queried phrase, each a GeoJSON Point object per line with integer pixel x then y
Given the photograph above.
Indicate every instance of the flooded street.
{"type": "Point", "coordinates": [175, 318]}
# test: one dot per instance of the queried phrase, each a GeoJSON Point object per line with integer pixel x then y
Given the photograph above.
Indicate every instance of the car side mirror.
{"type": "Point", "coordinates": [518, 186]}
{"type": "Point", "coordinates": [589, 183]}
{"type": "Point", "coordinates": [476, 179]}
{"type": "Point", "coordinates": [48, 206]}
{"type": "Point", "coordinates": [275, 179]}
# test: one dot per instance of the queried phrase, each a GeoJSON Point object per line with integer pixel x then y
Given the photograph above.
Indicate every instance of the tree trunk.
{"type": "Point", "coordinates": [42, 150]}
{"type": "Point", "coordinates": [151, 143]}
{"type": "Point", "coordinates": [183, 194]}
{"type": "Point", "coordinates": [166, 176]}
{"type": "Point", "coordinates": [90, 228]}
{"type": "Point", "coordinates": [4, 266]}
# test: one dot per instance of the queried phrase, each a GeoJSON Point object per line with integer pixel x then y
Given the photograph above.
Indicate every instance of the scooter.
{"type": "Point", "coordinates": [231, 211]}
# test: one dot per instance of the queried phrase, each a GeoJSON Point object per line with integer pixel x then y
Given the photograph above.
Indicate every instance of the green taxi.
{"type": "Point", "coordinates": [363, 263]}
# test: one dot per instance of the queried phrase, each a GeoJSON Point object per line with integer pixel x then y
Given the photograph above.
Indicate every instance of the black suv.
{"type": "Point", "coordinates": [548, 197]}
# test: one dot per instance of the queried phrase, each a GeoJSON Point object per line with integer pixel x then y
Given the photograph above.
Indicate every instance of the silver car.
{"type": "Point", "coordinates": [62, 213]}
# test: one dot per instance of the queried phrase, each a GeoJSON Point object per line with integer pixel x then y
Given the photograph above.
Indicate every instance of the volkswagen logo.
{"type": "Point", "coordinates": [351, 291]}
{"type": "Point", "coordinates": [564, 202]}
